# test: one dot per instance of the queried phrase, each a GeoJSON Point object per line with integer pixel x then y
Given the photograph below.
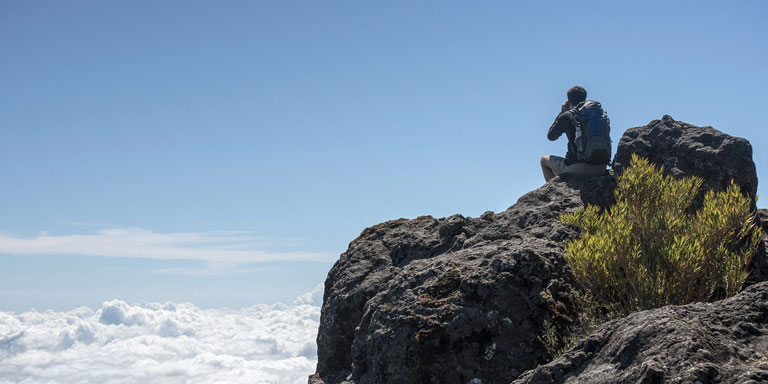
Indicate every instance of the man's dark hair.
{"type": "Point", "coordinates": [576, 95]}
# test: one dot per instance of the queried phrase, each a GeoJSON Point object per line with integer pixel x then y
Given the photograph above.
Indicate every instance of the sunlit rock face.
{"type": "Point", "coordinates": [721, 342]}
{"type": "Point", "coordinates": [411, 298]}
{"type": "Point", "coordinates": [687, 150]}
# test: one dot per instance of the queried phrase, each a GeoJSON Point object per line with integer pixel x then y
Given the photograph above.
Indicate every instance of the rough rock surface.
{"type": "Point", "coordinates": [720, 342]}
{"type": "Point", "coordinates": [759, 266]}
{"type": "Point", "coordinates": [463, 300]}
{"type": "Point", "coordinates": [687, 150]}
{"type": "Point", "coordinates": [454, 299]}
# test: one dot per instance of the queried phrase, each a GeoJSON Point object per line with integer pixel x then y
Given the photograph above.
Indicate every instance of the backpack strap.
{"type": "Point", "coordinates": [578, 140]}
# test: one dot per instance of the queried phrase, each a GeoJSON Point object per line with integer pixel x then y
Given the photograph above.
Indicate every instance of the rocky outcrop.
{"type": "Point", "coordinates": [411, 298]}
{"type": "Point", "coordinates": [721, 342]}
{"type": "Point", "coordinates": [463, 300]}
{"type": "Point", "coordinates": [687, 150]}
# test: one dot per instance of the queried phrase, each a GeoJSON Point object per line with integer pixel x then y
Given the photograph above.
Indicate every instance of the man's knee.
{"type": "Point", "coordinates": [545, 161]}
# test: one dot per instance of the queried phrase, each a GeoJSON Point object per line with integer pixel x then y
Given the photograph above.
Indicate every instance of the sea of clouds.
{"type": "Point", "coordinates": [162, 343]}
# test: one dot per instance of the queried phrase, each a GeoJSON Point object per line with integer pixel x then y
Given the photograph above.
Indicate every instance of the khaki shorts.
{"type": "Point", "coordinates": [559, 167]}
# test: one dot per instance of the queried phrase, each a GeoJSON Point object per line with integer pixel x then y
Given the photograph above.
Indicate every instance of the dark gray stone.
{"type": "Point", "coordinates": [720, 342]}
{"type": "Point", "coordinates": [758, 267]}
{"type": "Point", "coordinates": [449, 300]}
{"type": "Point", "coordinates": [687, 150]}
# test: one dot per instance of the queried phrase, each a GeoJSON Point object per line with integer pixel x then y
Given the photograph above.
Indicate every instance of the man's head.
{"type": "Point", "coordinates": [576, 95]}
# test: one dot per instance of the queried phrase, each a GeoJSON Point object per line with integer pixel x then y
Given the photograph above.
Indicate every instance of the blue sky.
{"type": "Point", "coordinates": [225, 153]}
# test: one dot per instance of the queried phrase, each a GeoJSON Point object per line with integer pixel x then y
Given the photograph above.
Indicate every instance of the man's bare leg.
{"type": "Point", "coordinates": [546, 168]}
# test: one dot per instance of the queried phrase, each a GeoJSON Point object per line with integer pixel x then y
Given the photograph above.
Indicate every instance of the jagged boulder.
{"type": "Point", "coordinates": [687, 150]}
{"type": "Point", "coordinates": [463, 300]}
{"type": "Point", "coordinates": [720, 342]}
{"type": "Point", "coordinates": [454, 299]}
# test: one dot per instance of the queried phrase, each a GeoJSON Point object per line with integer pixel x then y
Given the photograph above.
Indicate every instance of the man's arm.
{"type": "Point", "coordinates": [562, 121]}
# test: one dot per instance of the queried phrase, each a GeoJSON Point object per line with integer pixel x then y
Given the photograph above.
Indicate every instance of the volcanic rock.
{"type": "Point", "coordinates": [687, 150]}
{"type": "Point", "coordinates": [454, 299]}
{"type": "Point", "coordinates": [721, 342]}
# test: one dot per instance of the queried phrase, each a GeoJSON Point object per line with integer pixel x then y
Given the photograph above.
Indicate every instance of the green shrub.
{"type": "Point", "coordinates": [651, 249]}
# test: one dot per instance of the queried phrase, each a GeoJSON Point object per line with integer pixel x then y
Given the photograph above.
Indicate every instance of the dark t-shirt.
{"type": "Point", "coordinates": [564, 123]}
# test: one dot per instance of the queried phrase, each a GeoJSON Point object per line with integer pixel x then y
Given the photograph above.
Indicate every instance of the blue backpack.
{"type": "Point", "coordinates": [593, 133]}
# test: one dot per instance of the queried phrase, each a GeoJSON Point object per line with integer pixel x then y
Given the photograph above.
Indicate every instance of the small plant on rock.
{"type": "Point", "coordinates": [650, 249]}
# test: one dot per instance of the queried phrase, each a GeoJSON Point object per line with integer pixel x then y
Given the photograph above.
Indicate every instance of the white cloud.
{"type": "Point", "coordinates": [210, 271]}
{"type": "Point", "coordinates": [313, 297]}
{"type": "Point", "coordinates": [160, 343]}
{"type": "Point", "coordinates": [223, 249]}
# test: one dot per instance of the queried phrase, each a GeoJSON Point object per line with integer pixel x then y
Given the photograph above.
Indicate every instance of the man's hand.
{"type": "Point", "coordinates": [566, 106]}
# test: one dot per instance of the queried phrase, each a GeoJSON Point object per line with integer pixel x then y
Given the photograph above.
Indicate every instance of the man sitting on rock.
{"type": "Point", "coordinates": [589, 143]}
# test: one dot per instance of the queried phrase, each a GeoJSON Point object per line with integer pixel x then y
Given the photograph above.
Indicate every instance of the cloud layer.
{"type": "Point", "coordinates": [219, 248]}
{"type": "Point", "coordinates": [161, 343]}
